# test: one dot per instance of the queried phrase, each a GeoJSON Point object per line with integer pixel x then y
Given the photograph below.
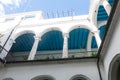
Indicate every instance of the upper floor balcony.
{"type": "Point", "coordinates": [29, 36]}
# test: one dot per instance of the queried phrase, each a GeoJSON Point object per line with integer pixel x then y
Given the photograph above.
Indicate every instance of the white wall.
{"type": "Point", "coordinates": [113, 49]}
{"type": "Point", "coordinates": [111, 45]}
{"type": "Point", "coordinates": [60, 71]}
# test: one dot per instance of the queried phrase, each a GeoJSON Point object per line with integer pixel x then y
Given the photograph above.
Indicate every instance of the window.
{"type": "Point", "coordinates": [79, 77]}
{"type": "Point", "coordinates": [7, 79]}
{"type": "Point", "coordinates": [43, 77]}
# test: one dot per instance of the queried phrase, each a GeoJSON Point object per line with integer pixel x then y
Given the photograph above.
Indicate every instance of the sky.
{"type": "Point", "coordinates": [78, 7]}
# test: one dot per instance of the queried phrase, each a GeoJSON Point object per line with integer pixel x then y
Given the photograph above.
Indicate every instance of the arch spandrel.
{"type": "Point", "coordinates": [50, 29]}
{"type": "Point", "coordinates": [17, 34]}
{"type": "Point", "coordinates": [87, 26]}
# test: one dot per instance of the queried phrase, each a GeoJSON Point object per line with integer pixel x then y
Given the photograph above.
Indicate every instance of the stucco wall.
{"type": "Point", "coordinates": [113, 44]}
{"type": "Point", "coordinates": [60, 71]}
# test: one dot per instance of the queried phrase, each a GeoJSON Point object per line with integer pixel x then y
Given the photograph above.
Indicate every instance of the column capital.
{"type": "Point", "coordinates": [37, 37]}
{"type": "Point", "coordinates": [93, 32]}
{"type": "Point", "coordinates": [66, 35]}
{"type": "Point", "coordinates": [12, 41]}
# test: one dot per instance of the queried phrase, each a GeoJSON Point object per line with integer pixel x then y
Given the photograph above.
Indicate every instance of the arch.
{"type": "Point", "coordinates": [93, 15]}
{"type": "Point", "coordinates": [50, 29]}
{"type": "Point", "coordinates": [23, 32]}
{"type": "Point", "coordinates": [52, 38]}
{"type": "Point", "coordinates": [8, 78]}
{"type": "Point", "coordinates": [78, 42]}
{"type": "Point", "coordinates": [98, 13]}
{"type": "Point", "coordinates": [85, 26]}
{"type": "Point", "coordinates": [94, 11]}
{"type": "Point", "coordinates": [43, 77]}
{"type": "Point", "coordinates": [20, 49]}
{"type": "Point", "coordinates": [101, 14]}
{"type": "Point", "coordinates": [79, 77]}
{"type": "Point", "coordinates": [50, 46]}
{"type": "Point", "coordinates": [114, 68]}
{"type": "Point", "coordinates": [24, 39]}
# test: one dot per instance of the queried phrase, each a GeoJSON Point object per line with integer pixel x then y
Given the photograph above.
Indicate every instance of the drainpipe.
{"type": "Point", "coordinates": [98, 66]}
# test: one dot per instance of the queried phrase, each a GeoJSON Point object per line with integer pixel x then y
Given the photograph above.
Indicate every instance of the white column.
{"type": "Point", "coordinates": [97, 37]}
{"type": "Point", "coordinates": [89, 43]}
{"type": "Point", "coordinates": [34, 48]}
{"type": "Point", "coordinates": [107, 6]}
{"type": "Point", "coordinates": [65, 46]}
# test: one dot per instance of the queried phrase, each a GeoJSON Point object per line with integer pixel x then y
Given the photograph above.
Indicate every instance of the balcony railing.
{"type": "Point", "coordinates": [50, 55]}
{"type": "Point", "coordinates": [24, 16]}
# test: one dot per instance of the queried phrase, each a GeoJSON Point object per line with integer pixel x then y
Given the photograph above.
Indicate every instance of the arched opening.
{"type": "Point", "coordinates": [94, 43]}
{"type": "Point", "coordinates": [77, 42]}
{"type": "Point", "coordinates": [102, 14]}
{"type": "Point", "coordinates": [8, 79]}
{"type": "Point", "coordinates": [102, 31]}
{"type": "Point", "coordinates": [114, 69]}
{"type": "Point", "coordinates": [21, 48]}
{"type": "Point", "coordinates": [79, 77]}
{"type": "Point", "coordinates": [43, 77]}
{"type": "Point", "coordinates": [50, 46]}
{"type": "Point", "coordinates": [94, 47]}
{"type": "Point", "coordinates": [111, 2]}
